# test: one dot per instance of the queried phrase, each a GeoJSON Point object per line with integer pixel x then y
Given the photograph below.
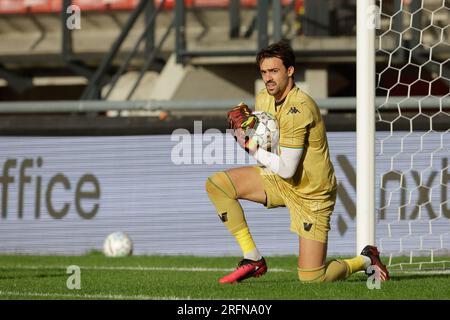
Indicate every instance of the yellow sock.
{"type": "Point", "coordinates": [356, 264]}
{"type": "Point", "coordinates": [223, 195]}
{"type": "Point", "coordinates": [337, 270]}
{"type": "Point", "coordinates": [333, 271]}
{"type": "Point", "coordinates": [245, 240]}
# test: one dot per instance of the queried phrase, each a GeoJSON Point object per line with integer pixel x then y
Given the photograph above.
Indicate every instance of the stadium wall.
{"type": "Point", "coordinates": [63, 195]}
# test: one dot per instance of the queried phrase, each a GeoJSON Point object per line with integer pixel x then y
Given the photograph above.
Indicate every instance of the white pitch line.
{"type": "Point", "coordinates": [127, 268]}
{"type": "Point", "coordinates": [447, 271]}
{"type": "Point", "coordinates": [88, 296]}
{"type": "Point", "coordinates": [193, 269]}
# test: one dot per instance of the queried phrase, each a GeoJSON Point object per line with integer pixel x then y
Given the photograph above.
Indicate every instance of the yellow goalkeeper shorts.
{"type": "Point", "coordinates": [310, 218]}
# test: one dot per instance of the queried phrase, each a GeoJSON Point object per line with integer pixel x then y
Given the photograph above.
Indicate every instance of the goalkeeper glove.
{"type": "Point", "coordinates": [242, 121]}
{"type": "Point", "coordinates": [241, 117]}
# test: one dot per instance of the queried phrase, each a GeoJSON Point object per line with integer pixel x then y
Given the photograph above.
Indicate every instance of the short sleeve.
{"type": "Point", "coordinates": [294, 123]}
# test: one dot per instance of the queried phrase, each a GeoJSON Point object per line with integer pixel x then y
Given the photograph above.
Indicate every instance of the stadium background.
{"type": "Point", "coordinates": [86, 102]}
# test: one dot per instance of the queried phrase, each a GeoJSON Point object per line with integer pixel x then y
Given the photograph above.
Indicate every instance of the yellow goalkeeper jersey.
{"type": "Point", "coordinates": [301, 126]}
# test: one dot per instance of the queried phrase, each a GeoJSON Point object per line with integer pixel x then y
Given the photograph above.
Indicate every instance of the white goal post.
{"type": "Point", "coordinates": [365, 124]}
{"type": "Point", "coordinates": [403, 130]}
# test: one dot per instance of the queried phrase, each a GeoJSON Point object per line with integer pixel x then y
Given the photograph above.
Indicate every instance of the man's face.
{"type": "Point", "coordinates": [275, 76]}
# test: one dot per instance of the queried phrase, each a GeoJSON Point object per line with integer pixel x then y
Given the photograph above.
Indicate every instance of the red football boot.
{"type": "Point", "coordinates": [374, 255]}
{"type": "Point", "coordinates": [246, 269]}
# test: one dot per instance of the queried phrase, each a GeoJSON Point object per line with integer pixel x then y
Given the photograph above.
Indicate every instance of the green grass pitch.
{"type": "Point", "coordinates": [187, 277]}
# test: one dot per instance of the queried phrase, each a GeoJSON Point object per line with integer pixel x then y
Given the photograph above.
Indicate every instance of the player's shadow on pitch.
{"type": "Point", "coordinates": [27, 276]}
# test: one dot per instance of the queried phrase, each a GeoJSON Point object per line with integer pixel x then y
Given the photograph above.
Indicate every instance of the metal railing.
{"type": "Point", "coordinates": [260, 21]}
{"type": "Point", "coordinates": [334, 104]}
{"type": "Point", "coordinates": [100, 77]}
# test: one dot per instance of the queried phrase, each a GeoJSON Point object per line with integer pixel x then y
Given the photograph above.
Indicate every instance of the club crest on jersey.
{"type": "Point", "coordinates": [293, 110]}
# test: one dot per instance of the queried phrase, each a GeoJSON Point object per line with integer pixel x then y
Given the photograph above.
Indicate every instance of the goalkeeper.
{"type": "Point", "coordinates": [300, 176]}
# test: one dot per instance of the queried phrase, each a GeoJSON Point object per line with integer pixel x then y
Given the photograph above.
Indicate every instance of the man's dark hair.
{"type": "Point", "coordinates": [281, 50]}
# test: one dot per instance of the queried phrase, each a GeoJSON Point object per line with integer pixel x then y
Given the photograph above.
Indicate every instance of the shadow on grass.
{"type": "Point", "coordinates": [29, 275]}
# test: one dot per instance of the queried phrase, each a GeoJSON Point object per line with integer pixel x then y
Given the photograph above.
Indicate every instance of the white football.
{"type": "Point", "coordinates": [118, 244]}
{"type": "Point", "coordinates": [266, 130]}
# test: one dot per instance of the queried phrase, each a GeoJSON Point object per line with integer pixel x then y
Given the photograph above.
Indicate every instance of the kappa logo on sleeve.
{"type": "Point", "coordinates": [293, 110]}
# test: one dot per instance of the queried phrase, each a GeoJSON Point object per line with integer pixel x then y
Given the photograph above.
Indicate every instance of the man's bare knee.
{"type": "Point", "coordinates": [248, 184]}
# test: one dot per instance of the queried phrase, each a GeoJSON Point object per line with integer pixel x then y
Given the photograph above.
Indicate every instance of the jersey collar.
{"type": "Point", "coordinates": [280, 103]}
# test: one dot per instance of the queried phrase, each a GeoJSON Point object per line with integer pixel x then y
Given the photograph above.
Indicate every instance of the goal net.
{"type": "Point", "coordinates": [412, 141]}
